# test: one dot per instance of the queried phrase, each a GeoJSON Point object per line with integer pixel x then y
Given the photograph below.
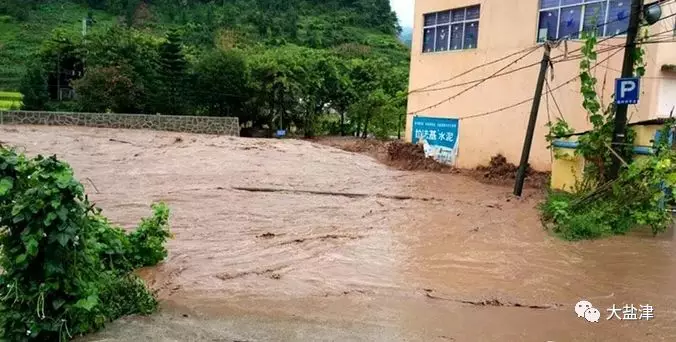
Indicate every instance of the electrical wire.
{"type": "Point", "coordinates": [472, 69]}
{"type": "Point", "coordinates": [426, 88]}
{"type": "Point", "coordinates": [497, 74]}
{"type": "Point", "coordinates": [556, 103]}
{"type": "Point", "coordinates": [531, 99]}
{"type": "Point", "coordinates": [480, 82]}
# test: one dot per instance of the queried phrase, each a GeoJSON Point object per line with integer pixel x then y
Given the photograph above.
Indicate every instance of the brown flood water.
{"type": "Point", "coordinates": [351, 250]}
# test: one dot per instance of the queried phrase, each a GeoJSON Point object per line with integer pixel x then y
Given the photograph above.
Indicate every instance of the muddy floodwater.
{"type": "Point", "coordinates": [286, 240]}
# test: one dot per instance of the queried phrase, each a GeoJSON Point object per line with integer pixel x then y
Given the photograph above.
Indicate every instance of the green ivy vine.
{"type": "Point", "coordinates": [66, 270]}
{"type": "Point", "coordinates": [599, 207]}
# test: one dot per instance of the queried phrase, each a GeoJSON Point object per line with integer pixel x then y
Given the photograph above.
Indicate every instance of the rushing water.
{"type": "Point", "coordinates": [288, 240]}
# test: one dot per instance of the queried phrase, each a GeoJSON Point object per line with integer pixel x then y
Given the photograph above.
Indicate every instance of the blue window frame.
{"type": "Point", "coordinates": [560, 19]}
{"type": "Point", "coordinates": [456, 29]}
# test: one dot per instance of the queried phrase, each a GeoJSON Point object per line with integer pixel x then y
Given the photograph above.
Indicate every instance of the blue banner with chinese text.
{"type": "Point", "coordinates": [439, 137]}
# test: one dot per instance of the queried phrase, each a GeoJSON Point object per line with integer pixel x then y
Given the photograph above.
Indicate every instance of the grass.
{"type": "Point", "coordinates": [10, 100]}
{"type": "Point", "coordinates": [8, 104]}
{"type": "Point", "coordinates": [20, 40]}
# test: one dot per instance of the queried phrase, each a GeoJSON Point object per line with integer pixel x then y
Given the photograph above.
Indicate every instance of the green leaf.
{"type": "Point", "coordinates": [57, 303]}
{"type": "Point", "coordinates": [6, 185]}
{"type": "Point", "coordinates": [32, 247]}
{"type": "Point", "coordinates": [21, 258]}
{"type": "Point", "coordinates": [50, 218]}
{"type": "Point", "coordinates": [62, 239]}
{"type": "Point", "coordinates": [63, 179]}
{"type": "Point", "coordinates": [88, 303]}
{"type": "Point", "coordinates": [62, 213]}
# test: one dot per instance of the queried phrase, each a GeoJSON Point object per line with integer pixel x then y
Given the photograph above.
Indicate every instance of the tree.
{"type": "Point", "coordinates": [221, 85]}
{"type": "Point", "coordinates": [137, 55]}
{"type": "Point", "coordinates": [34, 88]}
{"type": "Point", "coordinates": [278, 76]}
{"type": "Point", "coordinates": [173, 74]}
{"type": "Point", "coordinates": [109, 89]}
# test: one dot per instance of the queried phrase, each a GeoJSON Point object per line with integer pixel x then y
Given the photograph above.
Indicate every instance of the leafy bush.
{"type": "Point", "coordinates": [66, 270]}
{"type": "Point", "coordinates": [637, 198]}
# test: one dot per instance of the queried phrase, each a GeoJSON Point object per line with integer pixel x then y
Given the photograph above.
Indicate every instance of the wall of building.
{"type": "Point", "coordinates": [188, 124]}
{"type": "Point", "coordinates": [506, 27]}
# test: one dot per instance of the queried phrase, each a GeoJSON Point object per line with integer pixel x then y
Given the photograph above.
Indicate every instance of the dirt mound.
{"type": "Point", "coordinates": [499, 170]}
{"type": "Point", "coordinates": [409, 156]}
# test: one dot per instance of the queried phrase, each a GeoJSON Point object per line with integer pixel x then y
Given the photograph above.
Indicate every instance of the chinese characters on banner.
{"type": "Point", "coordinates": [439, 137]}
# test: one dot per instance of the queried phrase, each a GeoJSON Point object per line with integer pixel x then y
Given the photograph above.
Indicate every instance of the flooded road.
{"type": "Point", "coordinates": [294, 241]}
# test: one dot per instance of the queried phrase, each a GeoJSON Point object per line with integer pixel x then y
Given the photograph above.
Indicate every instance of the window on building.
{"type": "Point", "coordinates": [456, 29]}
{"type": "Point", "coordinates": [569, 18]}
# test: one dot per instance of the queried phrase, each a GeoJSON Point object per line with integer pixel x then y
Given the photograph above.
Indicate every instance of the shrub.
{"type": "Point", "coordinates": [67, 271]}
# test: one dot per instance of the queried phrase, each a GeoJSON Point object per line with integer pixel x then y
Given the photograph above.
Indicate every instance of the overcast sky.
{"type": "Point", "coordinates": [404, 9]}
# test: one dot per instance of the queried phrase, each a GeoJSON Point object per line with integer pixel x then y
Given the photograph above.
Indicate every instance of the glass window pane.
{"type": "Point", "coordinates": [570, 2]}
{"type": "Point", "coordinates": [595, 18]}
{"type": "Point", "coordinates": [442, 38]}
{"type": "Point", "coordinates": [547, 25]}
{"type": "Point", "coordinates": [428, 39]}
{"type": "Point", "coordinates": [458, 15]}
{"type": "Point", "coordinates": [456, 36]}
{"type": "Point", "coordinates": [473, 12]}
{"type": "Point", "coordinates": [570, 22]}
{"type": "Point", "coordinates": [618, 17]}
{"type": "Point", "coordinates": [471, 35]}
{"type": "Point", "coordinates": [430, 19]}
{"type": "Point", "coordinates": [548, 3]}
{"type": "Point", "coordinates": [443, 17]}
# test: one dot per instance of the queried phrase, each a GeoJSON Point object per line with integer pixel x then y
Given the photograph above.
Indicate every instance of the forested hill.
{"type": "Point", "coordinates": [366, 27]}
{"type": "Point", "coordinates": [291, 64]}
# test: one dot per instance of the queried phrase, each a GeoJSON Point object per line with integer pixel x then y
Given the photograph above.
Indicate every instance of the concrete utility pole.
{"type": "Point", "coordinates": [627, 71]}
{"type": "Point", "coordinates": [525, 154]}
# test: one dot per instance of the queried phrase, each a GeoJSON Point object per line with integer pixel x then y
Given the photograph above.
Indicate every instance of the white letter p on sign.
{"type": "Point", "coordinates": [626, 87]}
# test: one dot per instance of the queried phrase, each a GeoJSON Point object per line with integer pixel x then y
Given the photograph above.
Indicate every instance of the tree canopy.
{"type": "Point", "coordinates": [318, 66]}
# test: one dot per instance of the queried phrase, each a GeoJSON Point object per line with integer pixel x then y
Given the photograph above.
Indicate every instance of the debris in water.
{"type": "Point", "coordinates": [408, 156]}
{"type": "Point", "coordinates": [501, 171]}
{"type": "Point", "coordinates": [267, 235]}
{"type": "Point", "coordinates": [492, 302]}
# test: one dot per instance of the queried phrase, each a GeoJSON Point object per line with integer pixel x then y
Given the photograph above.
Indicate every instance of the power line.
{"type": "Point", "coordinates": [472, 69]}
{"type": "Point", "coordinates": [497, 74]}
{"type": "Point", "coordinates": [566, 59]}
{"type": "Point", "coordinates": [556, 103]}
{"type": "Point", "coordinates": [480, 82]}
{"type": "Point", "coordinates": [531, 99]}
{"type": "Point", "coordinates": [426, 88]}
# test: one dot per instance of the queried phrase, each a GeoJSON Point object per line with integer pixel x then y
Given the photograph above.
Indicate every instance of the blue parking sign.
{"type": "Point", "coordinates": [627, 90]}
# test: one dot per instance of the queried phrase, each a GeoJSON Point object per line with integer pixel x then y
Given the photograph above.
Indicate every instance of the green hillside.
{"type": "Point", "coordinates": [260, 60]}
{"type": "Point", "coordinates": [22, 34]}
{"type": "Point", "coordinates": [341, 25]}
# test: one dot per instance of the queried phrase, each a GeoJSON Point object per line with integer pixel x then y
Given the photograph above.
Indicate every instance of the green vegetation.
{"type": "Point", "coordinates": [318, 67]}
{"type": "Point", "coordinates": [601, 207]}
{"type": "Point", "coordinates": [66, 270]}
{"type": "Point", "coordinates": [10, 100]}
{"type": "Point", "coordinates": [25, 24]}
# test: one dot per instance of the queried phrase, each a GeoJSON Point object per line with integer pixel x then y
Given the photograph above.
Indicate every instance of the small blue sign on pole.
{"type": "Point", "coordinates": [627, 90]}
{"type": "Point", "coordinates": [439, 137]}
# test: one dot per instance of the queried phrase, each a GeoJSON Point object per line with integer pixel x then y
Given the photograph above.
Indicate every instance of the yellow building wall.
{"type": "Point", "coordinates": [567, 168]}
{"type": "Point", "coordinates": [506, 27]}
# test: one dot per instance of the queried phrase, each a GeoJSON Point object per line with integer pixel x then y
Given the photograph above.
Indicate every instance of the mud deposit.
{"type": "Point", "coordinates": [283, 240]}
